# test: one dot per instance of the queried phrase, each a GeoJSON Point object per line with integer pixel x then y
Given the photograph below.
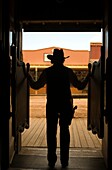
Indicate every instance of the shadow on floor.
{"type": "Point", "coordinates": [80, 159]}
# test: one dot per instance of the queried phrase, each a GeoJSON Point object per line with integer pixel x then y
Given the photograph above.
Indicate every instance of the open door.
{"type": "Point", "coordinates": [96, 97]}
{"type": "Point", "coordinates": [20, 97]}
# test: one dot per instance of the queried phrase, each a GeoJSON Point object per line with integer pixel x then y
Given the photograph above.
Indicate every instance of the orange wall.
{"type": "Point", "coordinates": [77, 57]}
{"type": "Point", "coordinates": [95, 50]}
{"type": "Point", "coordinates": [35, 57]}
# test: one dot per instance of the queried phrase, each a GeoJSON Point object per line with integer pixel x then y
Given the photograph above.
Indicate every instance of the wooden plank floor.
{"type": "Point", "coordinates": [80, 137]}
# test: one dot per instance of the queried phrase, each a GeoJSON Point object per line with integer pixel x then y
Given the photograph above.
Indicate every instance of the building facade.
{"type": "Point", "coordinates": [78, 61]}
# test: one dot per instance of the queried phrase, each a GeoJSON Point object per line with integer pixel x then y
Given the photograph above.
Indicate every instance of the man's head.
{"type": "Point", "coordinates": [57, 57]}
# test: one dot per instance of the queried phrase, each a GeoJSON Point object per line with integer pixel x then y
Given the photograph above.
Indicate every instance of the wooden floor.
{"type": "Point", "coordinates": [85, 148]}
{"type": "Point", "coordinates": [80, 137]}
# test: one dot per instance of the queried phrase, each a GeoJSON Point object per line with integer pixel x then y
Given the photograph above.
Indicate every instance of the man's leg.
{"type": "Point", "coordinates": [52, 139]}
{"type": "Point", "coordinates": [64, 143]}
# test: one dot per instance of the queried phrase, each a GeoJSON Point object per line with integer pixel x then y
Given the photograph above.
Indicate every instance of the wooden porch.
{"type": "Point", "coordinates": [80, 137]}
{"type": "Point", "coordinates": [35, 136]}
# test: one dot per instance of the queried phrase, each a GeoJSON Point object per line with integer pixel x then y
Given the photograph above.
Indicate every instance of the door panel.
{"type": "Point", "coordinates": [22, 98]}
{"type": "Point", "coordinates": [95, 98]}
{"type": "Point", "coordinates": [20, 94]}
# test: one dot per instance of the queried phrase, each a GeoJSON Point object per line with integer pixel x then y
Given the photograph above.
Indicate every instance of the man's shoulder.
{"type": "Point", "coordinates": [67, 68]}
{"type": "Point", "coordinates": [48, 69]}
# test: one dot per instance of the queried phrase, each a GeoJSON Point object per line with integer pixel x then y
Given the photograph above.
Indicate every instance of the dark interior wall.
{"type": "Point", "coordinates": [0, 20]}
{"type": "Point", "coordinates": [60, 15]}
{"type": "Point", "coordinates": [61, 9]}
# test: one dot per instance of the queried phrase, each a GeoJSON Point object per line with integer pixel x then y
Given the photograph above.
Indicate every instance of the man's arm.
{"type": "Point", "coordinates": [39, 83]}
{"type": "Point", "coordinates": [80, 85]}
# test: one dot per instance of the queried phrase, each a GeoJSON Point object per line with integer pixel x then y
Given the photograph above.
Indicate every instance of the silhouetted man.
{"type": "Point", "coordinates": [58, 107]}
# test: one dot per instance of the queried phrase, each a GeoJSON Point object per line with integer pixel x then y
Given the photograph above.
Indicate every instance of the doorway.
{"type": "Point", "coordinates": [73, 45]}
{"type": "Point", "coordinates": [83, 142]}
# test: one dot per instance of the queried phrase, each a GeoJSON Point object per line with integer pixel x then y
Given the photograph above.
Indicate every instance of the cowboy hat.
{"type": "Point", "coordinates": [58, 55]}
